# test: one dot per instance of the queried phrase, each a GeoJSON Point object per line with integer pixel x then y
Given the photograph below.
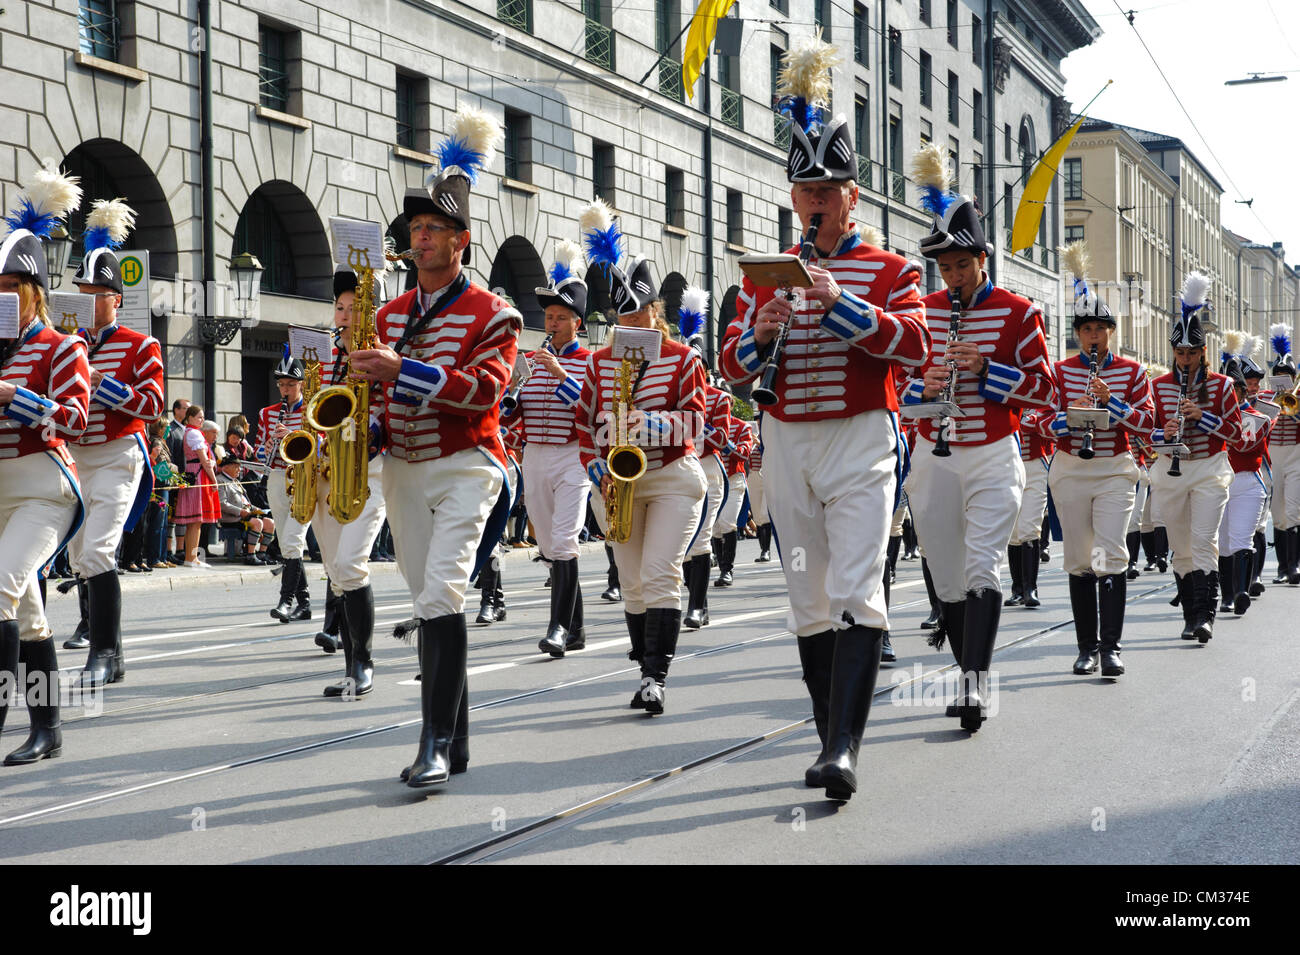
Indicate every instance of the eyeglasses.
{"type": "Point", "coordinates": [432, 227]}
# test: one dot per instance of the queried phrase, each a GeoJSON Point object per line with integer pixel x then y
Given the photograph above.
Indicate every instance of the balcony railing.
{"type": "Point", "coordinates": [781, 132]}
{"type": "Point", "coordinates": [864, 172]}
{"type": "Point", "coordinates": [517, 13]}
{"type": "Point", "coordinates": [733, 113]}
{"type": "Point", "coordinates": [670, 79]}
{"type": "Point", "coordinates": [600, 44]}
{"type": "Point", "coordinates": [898, 186]}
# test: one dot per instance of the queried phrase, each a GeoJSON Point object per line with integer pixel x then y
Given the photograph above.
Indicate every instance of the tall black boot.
{"type": "Point", "coordinates": [1226, 575]}
{"type": "Point", "coordinates": [564, 585]}
{"type": "Point", "coordinates": [816, 654]}
{"type": "Point", "coordinates": [1256, 588]}
{"type": "Point", "coordinates": [344, 687]}
{"type": "Point", "coordinates": [290, 576]}
{"type": "Point", "coordinates": [499, 594]}
{"type": "Point", "coordinates": [1029, 571]}
{"type": "Point", "coordinates": [1133, 540]}
{"type": "Point", "coordinates": [444, 647]}
{"type": "Point", "coordinates": [1282, 548]}
{"type": "Point", "coordinates": [302, 610]}
{"type": "Point", "coordinates": [577, 638]}
{"type": "Point", "coordinates": [891, 557]}
{"type": "Point", "coordinates": [697, 593]}
{"type": "Point", "coordinates": [1113, 589]}
{"type": "Point", "coordinates": [9, 655]}
{"type": "Point", "coordinates": [952, 626]}
{"type": "Point", "coordinates": [1016, 564]}
{"type": "Point", "coordinates": [1293, 551]}
{"type": "Point", "coordinates": [1243, 566]}
{"type": "Point", "coordinates": [104, 664]}
{"type": "Point", "coordinates": [612, 592]}
{"type": "Point", "coordinates": [887, 654]}
{"type": "Point", "coordinates": [909, 539]}
{"type": "Point", "coordinates": [636, 633]}
{"type": "Point", "coordinates": [358, 612]}
{"type": "Point", "coordinates": [662, 625]}
{"type": "Point", "coordinates": [854, 669]}
{"type": "Point", "coordinates": [1162, 549]}
{"type": "Point", "coordinates": [1203, 594]}
{"type": "Point", "coordinates": [932, 621]}
{"type": "Point", "coordinates": [764, 544]}
{"type": "Point", "coordinates": [1149, 548]}
{"type": "Point", "coordinates": [328, 636]}
{"type": "Point", "coordinates": [715, 548]}
{"type": "Point", "coordinates": [983, 612]}
{"type": "Point", "coordinates": [46, 737]}
{"type": "Point", "coordinates": [1083, 603]}
{"type": "Point", "coordinates": [726, 560]}
{"type": "Point", "coordinates": [1187, 601]}
{"type": "Point", "coordinates": [1045, 540]}
{"type": "Point", "coordinates": [80, 639]}
{"type": "Point", "coordinates": [487, 578]}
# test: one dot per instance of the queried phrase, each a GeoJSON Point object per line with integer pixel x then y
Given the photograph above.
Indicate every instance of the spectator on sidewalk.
{"type": "Point", "coordinates": [238, 512]}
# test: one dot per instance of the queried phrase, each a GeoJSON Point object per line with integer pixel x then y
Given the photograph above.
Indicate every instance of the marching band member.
{"type": "Point", "coordinates": [557, 485]}
{"type": "Point", "coordinates": [1093, 474]}
{"type": "Point", "coordinates": [274, 422]}
{"type": "Point", "coordinates": [445, 359]}
{"type": "Point", "coordinates": [1284, 455]}
{"type": "Point", "coordinates": [1246, 494]}
{"type": "Point", "coordinates": [665, 416]}
{"type": "Point", "coordinates": [736, 452]}
{"type": "Point", "coordinates": [1195, 407]}
{"type": "Point", "coordinates": [757, 502]}
{"type": "Point", "coordinates": [1140, 496]}
{"type": "Point", "coordinates": [1253, 372]}
{"type": "Point", "coordinates": [345, 548]}
{"type": "Point", "coordinates": [126, 391]}
{"type": "Point", "coordinates": [1022, 552]}
{"type": "Point", "coordinates": [831, 442]}
{"type": "Point", "coordinates": [965, 504]}
{"type": "Point", "coordinates": [717, 425]}
{"type": "Point", "coordinates": [44, 401]}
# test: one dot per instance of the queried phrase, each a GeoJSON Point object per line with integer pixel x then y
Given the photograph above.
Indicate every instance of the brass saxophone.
{"type": "Point", "coordinates": [342, 412]}
{"type": "Point", "coordinates": [298, 448]}
{"type": "Point", "coordinates": [626, 461]}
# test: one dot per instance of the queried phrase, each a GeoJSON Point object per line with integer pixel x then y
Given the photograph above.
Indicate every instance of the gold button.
{"type": "Point", "coordinates": [813, 407]}
{"type": "Point", "coordinates": [816, 347]}
{"type": "Point", "coordinates": [813, 391]}
{"type": "Point", "coordinates": [814, 377]}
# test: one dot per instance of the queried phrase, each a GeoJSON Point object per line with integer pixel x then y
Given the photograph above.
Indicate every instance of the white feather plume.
{"type": "Point", "coordinates": [52, 192]}
{"type": "Point", "coordinates": [930, 168]}
{"type": "Point", "coordinates": [1254, 347]}
{"type": "Point", "coordinates": [695, 299]}
{"type": "Point", "coordinates": [1232, 342]}
{"type": "Point", "coordinates": [567, 253]}
{"type": "Point", "coordinates": [1196, 288]}
{"type": "Point", "coordinates": [1076, 258]}
{"type": "Point", "coordinates": [595, 216]}
{"type": "Point", "coordinates": [806, 70]}
{"type": "Point", "coordinates": [478, 131]}
{"type": "Point", "coordinates": [1278, 329]}
{"type": "Point", "coordinates": [871, 236]}
{"type": "Point", "coordinates": [112, 215]}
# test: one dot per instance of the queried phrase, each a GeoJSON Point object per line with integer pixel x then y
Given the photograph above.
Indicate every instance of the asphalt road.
{"type": "Point", "coordinates": [219, 747]}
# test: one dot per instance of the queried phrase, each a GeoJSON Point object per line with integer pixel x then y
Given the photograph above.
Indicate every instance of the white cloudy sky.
{"type": "Point", "coordinates": [1253, 132]}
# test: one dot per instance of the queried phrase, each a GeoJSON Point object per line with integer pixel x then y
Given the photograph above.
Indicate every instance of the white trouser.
{"type": "Point", "coordinates": [557, 497]}
{"type": "Point", "coordinates": [345, 548]}
{"type": "Point", "coordinates": [1033, 502]}
{"type": "Point", "coordinates": [899, 515]}
{"type": "Point", "coordinates": [1286, 485]}
{"type": "Point", "coordinates": [1190, 508]}
{"type": "Point", "coordinates": [291, 535]}
{"type": "Point", "coordinates": [757, 503]}
{"type": "Point", "coordinates": [1242, 515]}
{"type": "Point", "coordinates": [716, 479]}
{"type": "Point", "coordinates": [598, 508]}
{"type": "Point", "coordinates": [108, 474]}
{"type": "Point", "coordinates": [37, 507]}
{"type": "Point", "coordinates": [1266, 478]}
{"type": "Point", "coordinates": [964, 507]}
{"type": "Point", "coordinates": [1148, 523]}
{"type": "Point", "coordinates": [830, 491]}
{"type": "Point", "coordinates": [1093, 502]}
{"type": "Point", "coordinates": [437, 510]}
{"type": "Point", "coordinates": [729, 513]}
{"type": "Point", "coordinates": [665, 513]}
{"type": "Point", "coordinates": [1141, 491]}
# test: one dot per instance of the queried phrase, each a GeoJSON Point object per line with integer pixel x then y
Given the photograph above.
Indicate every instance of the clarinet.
{"type": "Point", "coordinates": [510, 401]}
{"type": "Point", "coordinates": [765, 393]}
{"type": "Point", "coordinates": [1174, 470]}
{"type": "Point", "coordinates": [1085, 451]}
{"type": "Point", "coordinates": [941, 449]}
{"type": "Point", "coordinates": [268, 442]}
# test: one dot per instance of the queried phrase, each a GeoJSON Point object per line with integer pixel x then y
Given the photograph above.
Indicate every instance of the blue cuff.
{"type": "Point", "coordinates": [29, 407]}
{"type": "Point", "coordinates": [1118, 409]}
{"type": "Point", "coordinates": [1059, 424]}
{"type": "Point", "coordinates": [1158, 436]}
{"type": "Point", "coordinates": [1001, 382]}
{"type": "Point", "coordinates": [568, 391]}
{"type": "Point", "coordinates": [850, 318]}
{"type": "Point", "coordinates": [747, 356]}
{"type": "Point", "coordinates": [597, 469]}
{"type": "Point", "coordinates": [111, 393]}
{"type": "Point", "coordinates": [1209, 422]}
{"type": "Point", "coordinates": [657, 424]}
{"type": "Point", "coordinates": [417, 382]}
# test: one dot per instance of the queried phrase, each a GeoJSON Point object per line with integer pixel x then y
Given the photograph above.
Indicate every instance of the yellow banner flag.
{"type": "Point", "coordinates": [1029, 211]}
{"type": "Point", "coordinates": [704, 25]}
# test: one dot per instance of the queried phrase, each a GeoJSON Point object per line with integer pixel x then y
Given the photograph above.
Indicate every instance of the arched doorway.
{"type": "Point", "coordinates": [517, 270]}
{"type": "Point", "coordinates": [110, 170]}
{"type": "Point", "coordinates": [279, 225]}
{"type": "Point", "coordinates": [671, 293]}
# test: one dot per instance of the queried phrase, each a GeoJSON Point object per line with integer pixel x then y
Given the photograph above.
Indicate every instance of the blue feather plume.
{"type": "Point", "coordinates": [604, 246]}
{"type": "Point", "coordinates": [690, 324]}
{"type": "Point", "coordinates": [936, 201]}
{"type": "Point", "coordinates": [1281, 344]}
{"type": "Point", "coordinates": [28, 217]}
{"type": "Point", "coordinates": [454, 151]}
{"type": "Point", "coordinates": [799, 110]}
{"type": "Point", "coordinates": [559, 272]}
{"type": "Point", "coordinates": [286, 351]}
{"type": "Point", "coordinates": [98, 237]}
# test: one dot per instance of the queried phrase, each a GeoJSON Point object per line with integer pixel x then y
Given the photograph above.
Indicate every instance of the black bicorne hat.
{"type": "Point", "coordinates": [22, 253]}
{"type": "Point", "coordinates": [566, 287]}
{"type": "Point", "coordinates": [289, 367]}
{"type": "Point", "coordinates": [1188, 330]}
{"type": "Point", "coordinates": [823, 154]}
{"type": "Point", "coordinates": [957, 228]}
{"type": "Point", "coordinates": [632, 289]}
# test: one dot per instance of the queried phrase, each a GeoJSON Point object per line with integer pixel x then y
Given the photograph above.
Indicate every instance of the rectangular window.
{"type": "Point", "coordinates": [785, 237]}
{"type": "Point", "coordinates": [925, 11]}
{"type": "Point", "coordinates": [977, 110]}
{"type": "Point", "coordinates": [1008, 208]}
{"type": "Point", "coordinates": [1006, 142]}
{"type": "Point", "coordinates": [977, 40]}
{"type": "Point", "coordinates": [735, 218]}
{"type": "Point", "coordinates": [896, 185]}
{"type": "Point", "coordinates": [861, 35]}
{"type": "Point", "coordinates": [406, 96]}
{"type": "Point", "coordinates": [675, 198]}
{"type": "Point", "coordinates": [517, 146]}
{"type": "Point", "coordinates": [954, 101]}
{"type": "Point", "coordinates": [954, 162]}
{"type": "Point", "coordinates": [927, 80]}
{"type": "Point", "coordinates": [668, 18]}
{"type": "Point", "coordinates": [927, 132]}
{"type": "Point", "coordinates": [599, 36]}
{"type": "Point", "coordinates": [895, 57]}
{"type": "Point", "coordinates": [602, 172]}
{"type": "Point", "coordinates": [822, 17]}
{"type": "Point", "coordinates": [1073, 233]}
{"type": "Point", "coordinates": [862, 138]}
{"type": "Point", "coordinates": [952, 22]}
{"type": "Point", "coordinates": [517, 13]}
{"type": "Point", "coordinates": [1073, 178]}
{"type": "Point", "coordinates": [977, 177]}
{"type": "Point", "coordinates": [98, 28]}
{"type": "Point", "coordinates": [931, 277]}
{"type": "Point", "coordinates": [273, 68]}
{"type": "Point", "coordinates": [782, 5]}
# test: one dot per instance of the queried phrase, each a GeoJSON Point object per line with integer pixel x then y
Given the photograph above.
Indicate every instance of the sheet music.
{"type": "Point", "coordinates": [636, 344]}
{"type": "Point", "coordinates": [9, 315]}
{"type": "Point", "coordinates": [357, 241]}
{"type": "Point", "coordinates": [72, 310]}
{"type": "Point", "coordinates": [310, 344]}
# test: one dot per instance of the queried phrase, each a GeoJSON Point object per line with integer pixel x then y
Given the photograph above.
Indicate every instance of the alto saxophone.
{"type": "Point", "coordinates": [298, 448]}
{"type": "Point", "coordinates": [626, 461]}
{"type": "Point", "coordinates": [342, 412]}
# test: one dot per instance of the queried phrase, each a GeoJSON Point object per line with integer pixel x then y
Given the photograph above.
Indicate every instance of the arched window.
{"type": "Point", "coordinates": [261, 232]}
{"type": "Point", "coordinates": [1028, 148]}
{"type": "Point", "coordinates": [279, 225]}
{"type": "Point", "coordinates": [516, 271]}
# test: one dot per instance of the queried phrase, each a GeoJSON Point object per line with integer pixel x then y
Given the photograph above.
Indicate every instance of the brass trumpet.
{"type": "Point", "coordinates": [1288, 401]}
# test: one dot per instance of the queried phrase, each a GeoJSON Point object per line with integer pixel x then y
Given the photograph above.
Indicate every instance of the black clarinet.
{"type": "Point", "coordinates": [941, 449]}
{"type": "Point", "coordinates": [765, 393]}
{"type": "Point", "coordinates": [1085, 450]}
{"type": "Point", "coordinates": [1174, 470]}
